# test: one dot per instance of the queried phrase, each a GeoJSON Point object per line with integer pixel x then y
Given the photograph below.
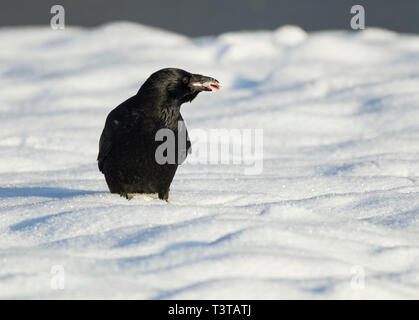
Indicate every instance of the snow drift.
{"type": "Point", "coordinates": [334, 213]}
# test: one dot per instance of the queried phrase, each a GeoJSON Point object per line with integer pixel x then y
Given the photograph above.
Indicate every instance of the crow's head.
{"type": "Point", "coordinates": [180, 85]}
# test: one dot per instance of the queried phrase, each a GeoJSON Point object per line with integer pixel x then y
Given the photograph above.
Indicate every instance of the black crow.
{"type": "Point", "coordinates": [127, 146]}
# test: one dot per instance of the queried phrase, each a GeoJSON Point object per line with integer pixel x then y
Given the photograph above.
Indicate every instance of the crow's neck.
{"type": "Point", "coordinates": [160, 106]}
{"type": "Point", "coordinates": [169, 115]}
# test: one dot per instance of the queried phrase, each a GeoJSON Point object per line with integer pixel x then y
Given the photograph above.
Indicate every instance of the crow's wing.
{"type": "Point", "coordinates": [105, 146]}
{"type": "Point", "coordinates": [119, 123]}
{"type": "Point", "coordinates": [182, 153]}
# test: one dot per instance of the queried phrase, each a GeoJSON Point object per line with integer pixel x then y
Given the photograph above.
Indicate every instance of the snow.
{"type": "Point", "coordinates": [332, 215]}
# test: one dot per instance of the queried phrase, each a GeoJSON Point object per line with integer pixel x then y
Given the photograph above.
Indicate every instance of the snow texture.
{"type": "Point", "coordinates": [333, 214]}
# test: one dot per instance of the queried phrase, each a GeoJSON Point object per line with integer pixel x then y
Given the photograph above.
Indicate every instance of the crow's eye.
{"type": "Point", "coordinates": [185, 80]}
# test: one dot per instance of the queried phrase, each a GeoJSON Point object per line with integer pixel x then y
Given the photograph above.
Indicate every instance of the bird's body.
{"type": "Point", "coordinates": [127, 147]}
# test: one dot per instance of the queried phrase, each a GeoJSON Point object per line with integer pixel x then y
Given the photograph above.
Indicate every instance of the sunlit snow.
{"type": "Point", "coordinates": [333, 214]}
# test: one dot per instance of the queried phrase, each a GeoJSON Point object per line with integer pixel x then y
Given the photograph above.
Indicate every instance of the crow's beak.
{"type": "Point", "coordinates": [203, 83]}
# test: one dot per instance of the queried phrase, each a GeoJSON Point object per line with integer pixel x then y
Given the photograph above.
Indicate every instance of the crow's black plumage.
{"type": "Point", "coordinates": [127, 146]}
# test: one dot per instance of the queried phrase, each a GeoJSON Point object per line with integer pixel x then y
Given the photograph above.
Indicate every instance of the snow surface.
{"type": "Point", "coordinates": [337, 200]}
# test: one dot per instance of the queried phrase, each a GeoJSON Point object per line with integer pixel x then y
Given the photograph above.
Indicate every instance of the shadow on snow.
{"type": "Point", "coordinates": [47, 192]}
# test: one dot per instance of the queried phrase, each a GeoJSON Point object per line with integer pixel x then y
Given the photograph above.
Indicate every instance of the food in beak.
{"type": "Point", "coordinates": [211, 85]}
